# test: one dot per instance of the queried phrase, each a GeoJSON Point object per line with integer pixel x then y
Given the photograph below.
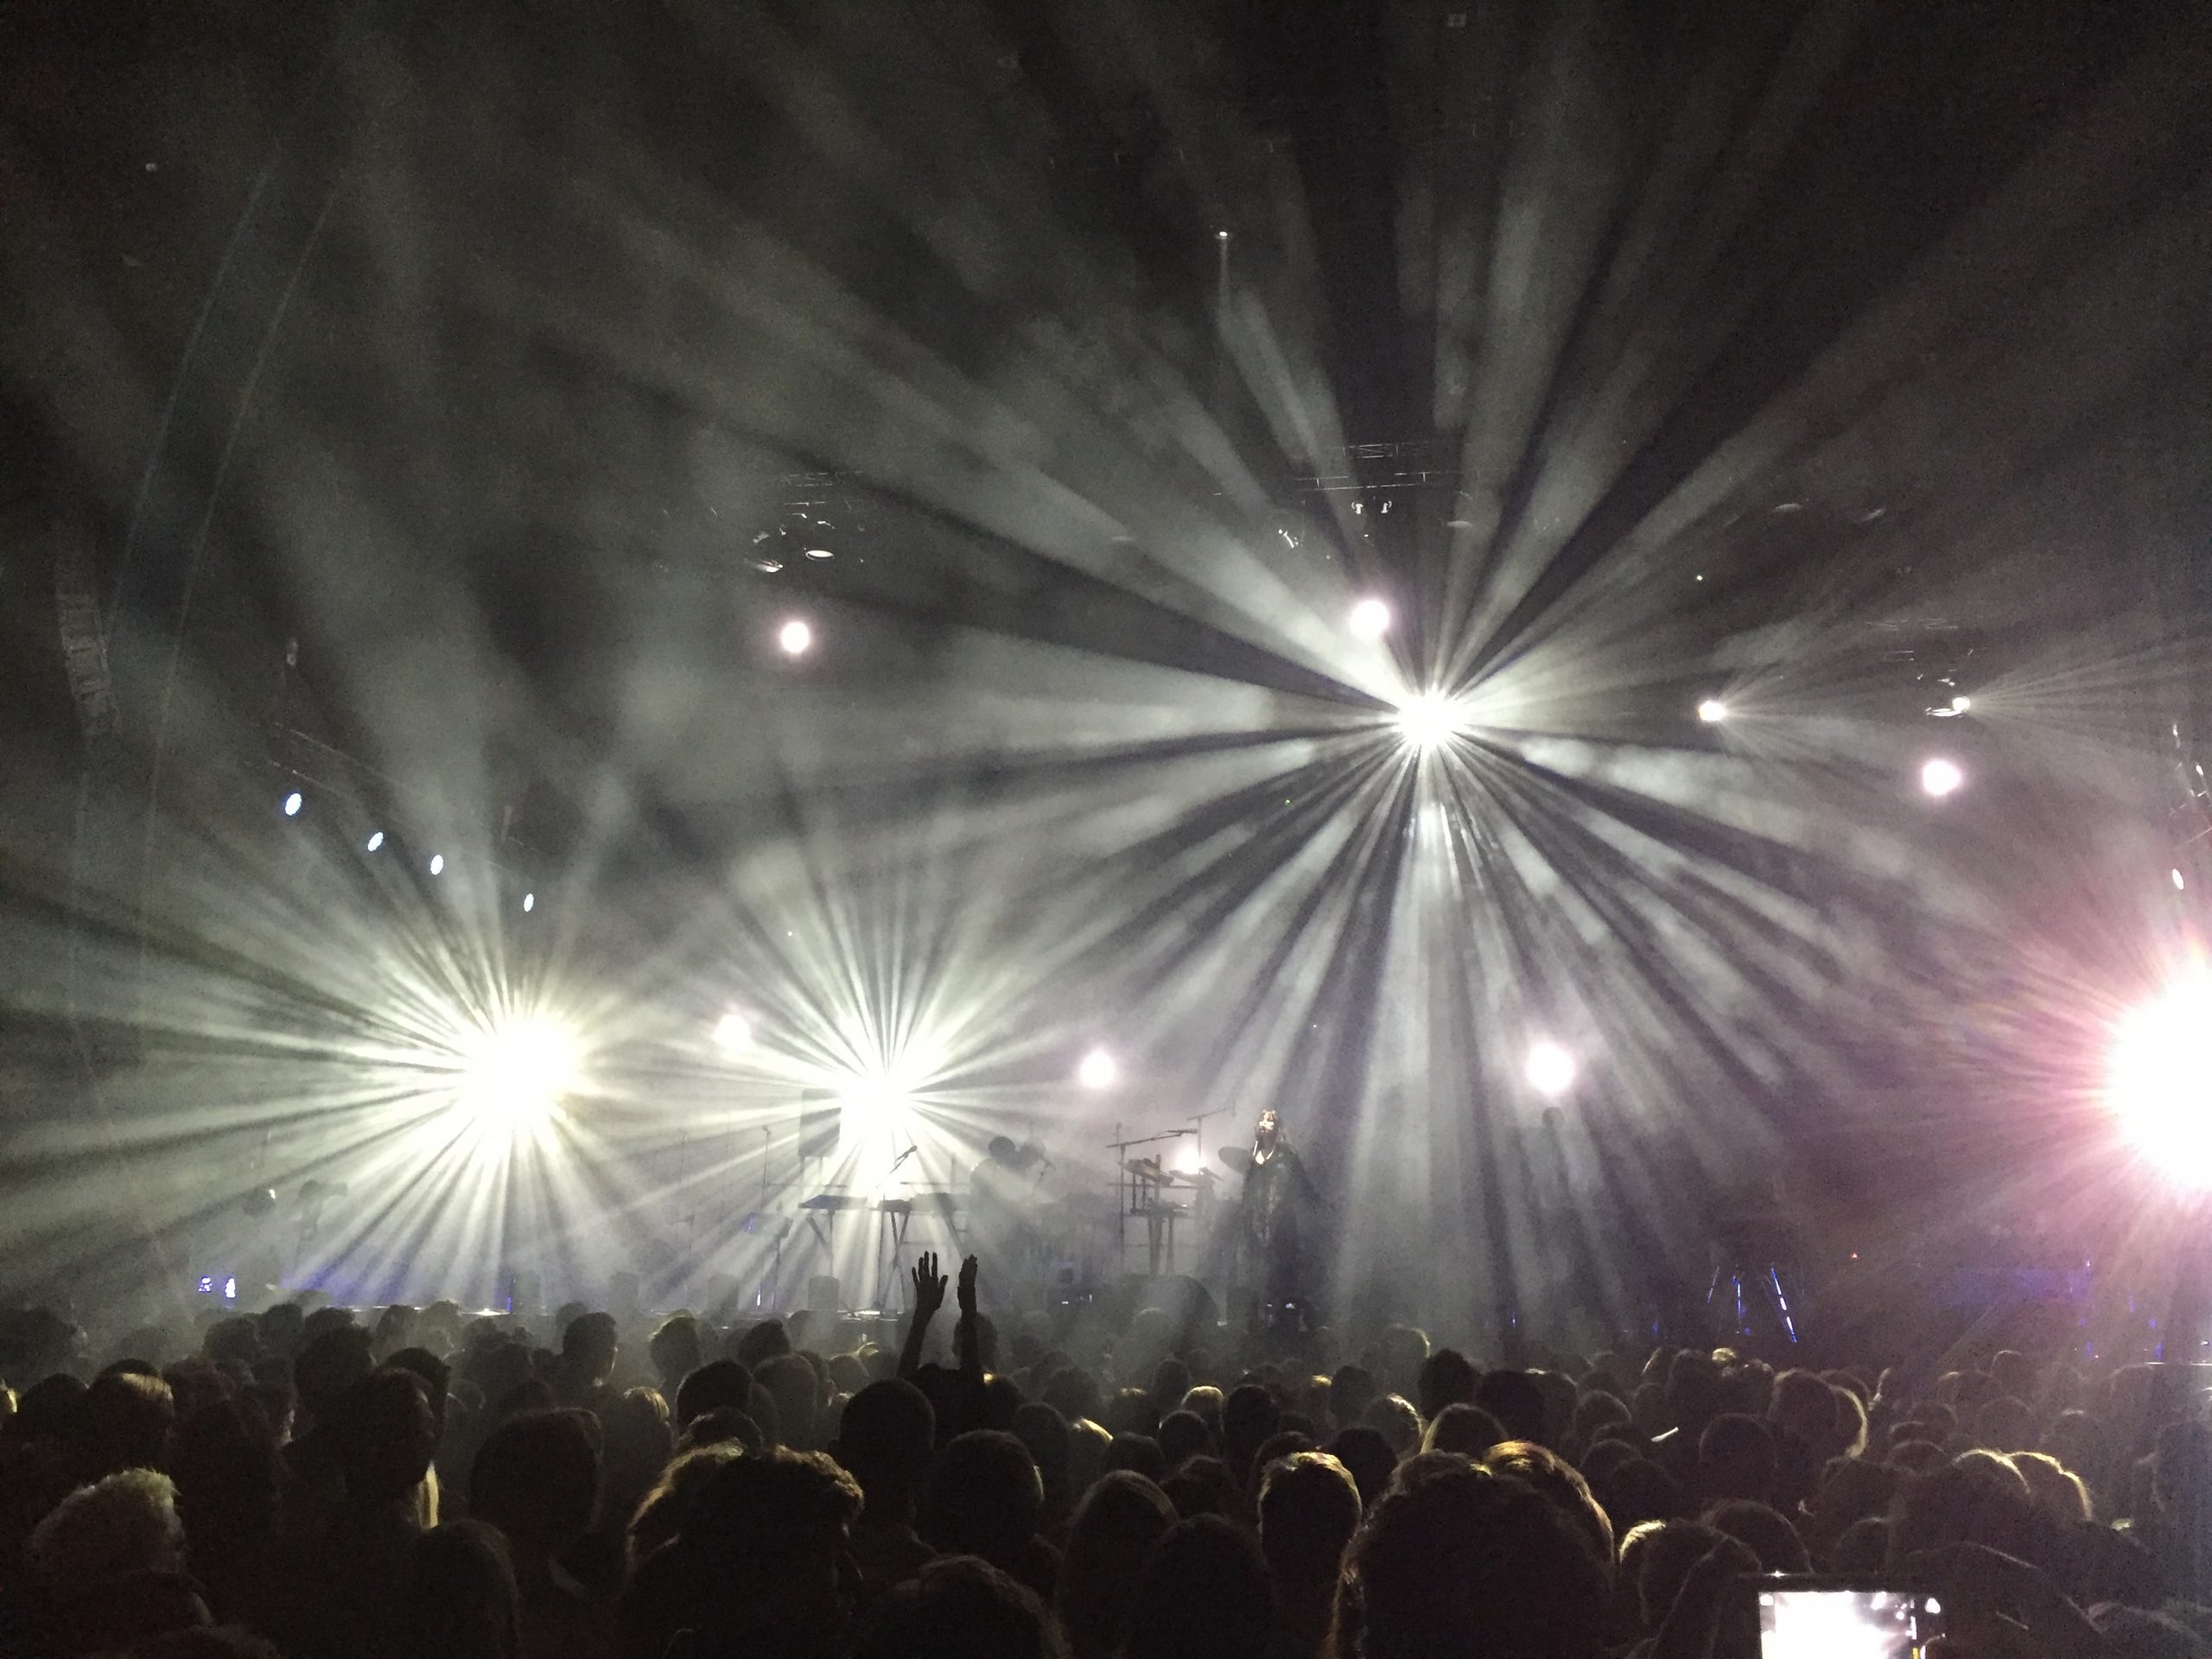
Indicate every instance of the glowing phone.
{"type": "Point", "coordinates": [1809, 1616]}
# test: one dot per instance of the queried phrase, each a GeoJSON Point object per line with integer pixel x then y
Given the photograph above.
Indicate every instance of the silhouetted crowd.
{"type": "Point", "coordinates": [428, 1485]}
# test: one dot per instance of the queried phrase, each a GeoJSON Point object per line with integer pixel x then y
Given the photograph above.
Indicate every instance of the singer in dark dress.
{"type": "Point", "coordinates": [1279, 1224]}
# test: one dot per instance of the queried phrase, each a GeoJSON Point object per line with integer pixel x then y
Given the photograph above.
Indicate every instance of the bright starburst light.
{"type": "Point", "coordinates": [1428, 721]}
{"type": "Point", "coordinates": [514, 1075]}
{"type": "Point", "coordinates": [2157, 1085]}
{"type": "Point", "coordinates": [1370, 619]}
{"type": "Point", "coordinates": [1940, 776]}
{"type": "Point", "coordinates": [1097, 1070]}
{"type": "Point", "coordinates": [1551, 1070]}
{"type": "Point", "coordinates": [1713, 711]}
{"type": "Point", "coordinates": [733, 1033]}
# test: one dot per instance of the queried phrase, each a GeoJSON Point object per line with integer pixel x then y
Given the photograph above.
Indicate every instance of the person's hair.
{"type": "Point", "coordinates": [962, 1608]}
{"type": "Point", "coordinates": [764, 1341]}
{"type": "Point", "coordinates": [1138, 1453]}
{"type": "Point", "coordinates": [884, 1437]}
{"type": "Point", "coordinates": [1447, 1378]}
{"type": "Point", "coordinates": [1205, 1562]}
{"type": "Point", "coordinates": [205, 1641]}
{"type": "Point", "coordinates": [985, 1496]}
{"type": "Point", "coordinates": [1459, 1561]}
{"type": "Point", "coordinates": [2003, 1424]}
{"type": "Point", "coordinates": [1393, 1417]}
{"type": "Point", "coordinates": [123, 1421]}
{"type": "Point", "coordinates": [1666, 1551]}
{"type": "Point", "coordinates": [1736, 1458]}
{"type": "Point", "coordinates": [1184, 1435]}
{"type": "Point", "coordinates": [590, 1341]}
{"type": "Point", "coordinates": [1364, 1452]}
{"type": "Point", "coordinates": [229, 1467]}
{"type": "Point", "coordinates": [1204, 1403]}
{"type": "Point", "coordinates": [1516, 1400]}
{"type": "Point", "coordinates": [1916, 1456]}
{"type": "Point", "coordinates": [1309, 1508]}
{"type": "Point", "coordinates": [2054, 1489]}
{"type": "Point", "coordinates": [710, 1387]}
{"type": "Point", "coordinates": [1980, 1499]}
{"type": "Point", "coordinates": [1806, 1405]}
{"type": "Point", "coordinates": [1597, 1409]}
{"type": "Point", "coordinates": [386, 1434]}
{"type": "Point", "coordinates": [1467, 1429]}
{"type": "Point", "coordinates": [123, 1523]}
{"type": "Point", "coordinates": [535, 1478]}
{"type": "Point", "coordinates": [676, 1349]}
{"type": "Point", "coordinates": [1131, 1412]}
{"type": "Point", "coordinates": [660, 1513]}
{"type": "Point", "coordinates": [459, 1600]}
{"type": "Point", "coordinates": [752, 1563]}
{"type": "Point", "coordinates": [1112, 1534]}
{"type": "Point", "coordinates": [1762, 1529]}
{"type": "Point", "coordinates": [1562, 1485]}
{"type": "Point", "coordinates": [797, 1391]}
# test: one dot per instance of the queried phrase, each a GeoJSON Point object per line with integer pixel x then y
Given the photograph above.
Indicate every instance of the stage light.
{"type": "Point", "coordinates": [529, 903]}
{"type": "Point", "coordinates": [733, 1033]}
{"type": "Point", "coordinates": [1370, 619]}
{"type": "Point", "coordinates": [795, 638]}
{"type": "Point", "coordinates": [819, 553]}
{"type": "Point", "coordinates": [1190, 1160]}
{"type": "Point", "coordinates": [2180, 886]}
{"type": "Point", "coordinates": [1221, 235]}
{"type": "Point", "coordinates": [1713, 711]}
{"type": "Point", "coordinates": [1941, 776]}
{"type": "Point", "coordinates": [1098, 1071]}
{"type": "Point", "coordinates": [2155, 1081]}
{"type": "Point", "coordinates": [1961, 704]}
{"type": "Point", "coordinates": [375, 840]}
{"type": "Point", "coordinates": [1427, 721]}
{"type": "Point", "coordinates": [293, 802]}
{"type": "Point", "coordinates": [1551, 1070]}
{"type": "Point", "coordinates": [437, 864]}
{"type": "Point", "coordinates": [515, 1074]}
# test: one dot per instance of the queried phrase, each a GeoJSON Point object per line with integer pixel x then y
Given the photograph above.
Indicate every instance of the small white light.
{"type": "Point", "coordinates": [1097, 1070]}
{"type": "Point", "coordinates": [1941, 776]}
{"type": "Point", "coordinates": [733, 1033]}
{"type": "Point", "coordinates": [1961, 704]}
{"type": "Point", "coordinates": [1370, 619]}
{"type": "Point", "coordinates": [1221, 235]}
{"type": "Point", "coordinates": [375, 840]}
{"type": "Point", "coordinates": [293, 802]}
{"type": "Point", "coordinates": [231, 1288]}
{"type": "Point", "coordinates": [1713, 711]}
{"type": "Point", "coordinates": [529, 903]}
{"type": "Point", "coordinates": [795, 638]}
{"type": "Point", "coordinates": [2180, 886]}
{"type": "Point", "coordinates": [1551, 1070]}
{"type": "Point", "coordinates": [437, 864]}
{"type": "Point", "coordinates": [819, 553]}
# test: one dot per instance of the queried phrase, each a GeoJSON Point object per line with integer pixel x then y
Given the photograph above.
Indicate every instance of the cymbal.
{"type": "Point", "coordinates": [1146, 1169]}
{"type": "Point", "coordinates": [1237, 1159]}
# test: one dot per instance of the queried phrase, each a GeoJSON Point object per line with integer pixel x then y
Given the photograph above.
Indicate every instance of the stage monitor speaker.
{"type": "Point", "coordinates": [822, 1294]}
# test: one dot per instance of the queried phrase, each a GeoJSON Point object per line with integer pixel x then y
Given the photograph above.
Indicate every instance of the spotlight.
{"type": "Point", "coordinates": [437, 864]}
{"type": "Point", "coordinates": [2155, 1080]}
{"type": "Point", "coordinates": [795, 638]}
{"type": "Point", "coordinates": [1713, 711]}
{"type": "Point", "coordinates": [1941, 776]}
{"type": "Point", "coordinates": [1098, 1071]}
{"type": "Point", "coordinates": [1190, 1160]}
{"type": "Point", "coordinates": [1428, 721]}
{"type": "Point", "coordinates": [1961, 704]}
{"type": "Point", "coordinates": [529, 903]}
{"type": "Point", "coordinates": [878, 1100]}
{"type": "Point", "coordinates": [293, 802]}
{"type": "Point", "coordinates": [819, 553]}
{"type": "Point", "coordinates": [1370, 619]}
{"type": "Point", "coordinates": [733, 1033]}
{"type": "Point", "coordinates": [1550, 1069]}
{"type": "Point", "coordinates": [1221, 235]}
{"type": "Point", "coordinates": [375, 840]}
{"type": "Point", "coordinates": [514, 1074]}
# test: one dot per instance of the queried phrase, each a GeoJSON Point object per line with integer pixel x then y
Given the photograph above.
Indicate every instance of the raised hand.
{"type": "Point", "coordinates": [967, 1288]}
{"type": "Point", "coordinates": [928, 1286]}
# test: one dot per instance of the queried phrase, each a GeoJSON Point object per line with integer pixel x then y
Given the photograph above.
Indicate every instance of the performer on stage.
{"type": "Point", "coordinates": [1278, 1220]}
{"type": "Point", "coordinates": [1002, 1204]}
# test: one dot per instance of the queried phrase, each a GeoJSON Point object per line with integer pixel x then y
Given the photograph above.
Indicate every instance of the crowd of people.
{"type": "Point", "coordinates": [424, 1484]}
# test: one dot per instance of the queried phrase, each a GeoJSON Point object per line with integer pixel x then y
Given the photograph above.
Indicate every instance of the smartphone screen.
{"type": "Point", "coordinates": [1805, 1621]}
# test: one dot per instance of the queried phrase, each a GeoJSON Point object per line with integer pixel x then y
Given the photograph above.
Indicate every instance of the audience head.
{"type": "Point", "coordinates": [535, 1478]}
{"type": "Point", "coordinates": [985, 1497]}
{"type": "Point", "coordinates": [1393, 1417]}
{"type": "Point", "coordinates": [676, 1351]}
{"type": "Point", "coordinates": [1516, 1402]}
{"type": "Point", "coordinates": [1447, 1378]}
{"type": "Point", "coordinates": [1111, 1536]}
{"type": "Point", "coordinates": [884, 1439]}
{"type": "Point", "coordinates": [1309, 1509]}
{"type": "Point", "coordinates": [1469, 1430]}
{"type": "Point", "coordinates": [121, 1524]}
{"type": "Point", "coordinates": [459, 1600]}
{"type": "Point", "coordinates": [386, 1434]}
{"type": "Point", "coordinates": [1460, 1560]}
{"type": "Point", "coordinates": [1203, 1594]}
{"type": "Point", "coordinates": [961, 1608]}
{"type": "Point", "coordinates": [1735, 1458]}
